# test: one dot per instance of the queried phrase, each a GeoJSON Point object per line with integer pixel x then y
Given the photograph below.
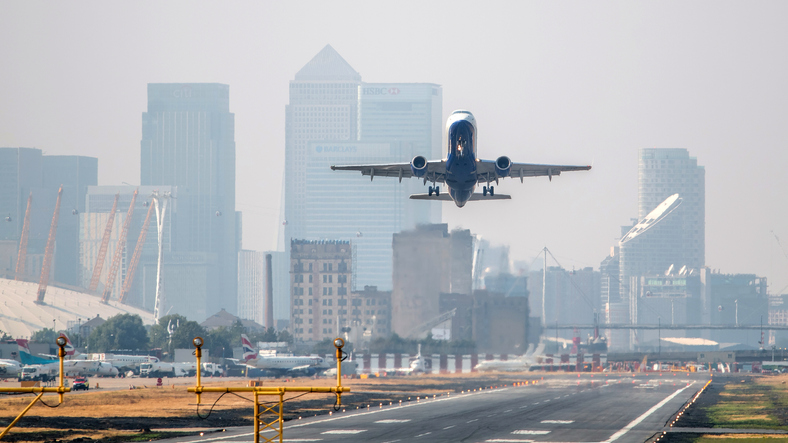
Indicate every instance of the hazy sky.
{"type": "Point", "coordinates": [553, 81]}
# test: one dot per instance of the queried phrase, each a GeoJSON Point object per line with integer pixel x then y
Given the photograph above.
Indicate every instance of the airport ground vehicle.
{"type": "Point", "coordinates": [80, 384]}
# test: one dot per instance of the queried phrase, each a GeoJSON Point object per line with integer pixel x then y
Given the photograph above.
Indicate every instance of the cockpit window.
{"type": "Point", "coordinates": [461, 138]}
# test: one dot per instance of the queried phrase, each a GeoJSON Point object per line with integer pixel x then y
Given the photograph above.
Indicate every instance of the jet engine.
{"type": "Point", "coordinates": [418, 166]}
{"type": "Point", "coordinates": [502, 166]}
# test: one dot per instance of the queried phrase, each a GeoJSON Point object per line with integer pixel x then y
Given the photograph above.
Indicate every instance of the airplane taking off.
{"type": "Point", "coordinates": [461, 171]}
{"type": "Point", "coordinates": [516, 365]}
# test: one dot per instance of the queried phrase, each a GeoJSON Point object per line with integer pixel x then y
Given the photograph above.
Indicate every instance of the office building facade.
{"type": "Point", "coordinates": [335, 118]}
{"type": "Point", "coordinates": [428, 261]}
{"type": "Point", "coordinates": [251, 286]}
{"type": "Point", "coordinates": [188, 142]}
{"type": "Point", "coordinates": [26, 171]}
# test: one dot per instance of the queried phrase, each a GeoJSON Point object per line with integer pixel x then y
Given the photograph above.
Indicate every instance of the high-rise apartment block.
{"type": "Point", "coordinates": [334, 118]}
{"type": "Point", "coordinates": [188, 142]}
{"type": "Point", "coordinates": [662, 173]}
{"type": "Point", "coordinates": [320, 282]}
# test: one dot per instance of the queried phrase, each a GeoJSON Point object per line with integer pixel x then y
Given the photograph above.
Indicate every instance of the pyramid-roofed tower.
{"type": "Point", "coordinates": [327, 65]}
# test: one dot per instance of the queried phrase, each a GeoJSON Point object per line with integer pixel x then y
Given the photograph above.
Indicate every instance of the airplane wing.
{"type": "Point", "coordinates": [436, 170]}
{"type": "Point", "coordinates": [485, 170]}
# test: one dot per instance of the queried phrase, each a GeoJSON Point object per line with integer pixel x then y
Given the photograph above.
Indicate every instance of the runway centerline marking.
{"type": "Point", "coordinates": [508, 410]}
{"type": "Point", "coordinates": [448, 427]}
{"type": "Point", "coordinates": [344, 431]}
{"type": "Point", "coordinates": [558, 422]}
{"type": "Point", "coordinates": [471, 421]}
{"type": "Point", "coordinates": [393, 420]}
{"type": "Point", "coordinates": [530, 432]}
{"type": "Point", "coordinates": [422, 435]}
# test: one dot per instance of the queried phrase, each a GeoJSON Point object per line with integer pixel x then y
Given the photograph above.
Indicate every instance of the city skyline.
{"type": "Point", "coordinates": [593, 84]}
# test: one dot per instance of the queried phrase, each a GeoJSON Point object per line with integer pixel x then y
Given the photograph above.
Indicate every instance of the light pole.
{"type": "Point", "coordinates": [659, 335]}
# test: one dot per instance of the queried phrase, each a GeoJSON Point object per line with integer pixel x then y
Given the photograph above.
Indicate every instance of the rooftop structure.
{"type": "Point", "coordinates": [22, 316]}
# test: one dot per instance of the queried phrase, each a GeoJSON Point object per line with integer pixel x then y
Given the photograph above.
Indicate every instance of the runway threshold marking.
{"type": "Point", "coordinates": [645, 415]}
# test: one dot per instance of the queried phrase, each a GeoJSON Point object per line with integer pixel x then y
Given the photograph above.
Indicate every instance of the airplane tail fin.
{"type": "Point", "coordinates": [69, 348]}
{"type": "Point", "coordinates": [248, 349]}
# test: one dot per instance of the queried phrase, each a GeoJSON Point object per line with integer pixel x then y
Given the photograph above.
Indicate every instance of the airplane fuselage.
{"type": "Point", "coordinates": [461, 156]}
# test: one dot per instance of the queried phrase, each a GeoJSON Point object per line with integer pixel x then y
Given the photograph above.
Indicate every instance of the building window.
{"type": "Point", "coordinates": [310, 322]}
{"type": "Point", "coordinates": [331, 279]}
{"type": "Point", "coordinates": [310, 289]}
{"type": "Point", "coordinates": [330, 266]}
{"type": "Point", "coordinates": [330, 291]}
{"type": "Point", "coordinates": [341, 301]}
{"type": "Point", "coordinates": [310, 278]}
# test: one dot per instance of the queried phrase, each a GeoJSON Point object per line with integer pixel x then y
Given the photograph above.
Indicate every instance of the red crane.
{"type": "Point", "coordinates": [113, 270]}
{"type": "Point", "coordinates": [50, 249]}
{"type": "Point", "coordinates": [21, 257]}
{"type": "Point", "coordinates": [94, 281]}
{"type": "Point", "coordinates": [135, 259]}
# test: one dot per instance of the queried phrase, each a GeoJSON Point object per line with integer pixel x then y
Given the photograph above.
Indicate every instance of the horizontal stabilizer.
{"type": "Point", "coordinates": [447, 197]}
{"type": "Point", "coordinates": [441, 197]}
{"type": "Point", "coordinates": [478, 196]}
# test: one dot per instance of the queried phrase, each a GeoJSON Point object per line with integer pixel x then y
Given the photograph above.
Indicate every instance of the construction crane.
{"type": "Point", "coordinates": [135, 259]}
{"type": "Point", "coordinates": [113, 270]}
{"type": "Point", "coordinates": [21, 257]}
{"type": "Point", "coordinates": [94, 281]}
{"type": "Point", "coordinates": [49, 251]}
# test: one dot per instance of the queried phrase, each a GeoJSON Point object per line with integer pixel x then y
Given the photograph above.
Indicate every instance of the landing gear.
{"type": "Point", "coordinates": [436, 190]}
{"type": "Point", "coordinates": [486, 189]}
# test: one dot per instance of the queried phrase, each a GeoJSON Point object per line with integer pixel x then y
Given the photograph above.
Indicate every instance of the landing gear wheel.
{"type": "Point", "coordinates": [429, 191]}
{"type": "Point", "coordinates": [484, 191]}
{"type": "Point", "coordinates": [492, 191]}
{"type": "Point", "coordinates": [437, 191]}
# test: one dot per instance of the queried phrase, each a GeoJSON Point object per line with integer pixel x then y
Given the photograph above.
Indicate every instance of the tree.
{"type": "Point", "coordinates": [123, 331]}
{"type": "Point", "coordinates": [46, 335]}
{"type": "Point", "coordinates": [5, 336]}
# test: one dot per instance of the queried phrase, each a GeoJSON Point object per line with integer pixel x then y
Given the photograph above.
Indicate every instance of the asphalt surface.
{"type": "Point", "coordinates": [560, 408]}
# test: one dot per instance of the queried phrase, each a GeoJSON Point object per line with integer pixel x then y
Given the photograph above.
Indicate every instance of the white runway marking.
{"type": "Point", "coordinates": [344, 431]}
{"type": "Point", "coordinates": [471, 421]}
{"type": "Point", "coordinates": [508, 410]}
{"type": "Point", "coordinates": [530, 432]}
{"type": "Point", "coordinates": [558, 422]}
{"type": "Point", "coordinates": [507, 440]}
{"type": "Point", "coordinates": [422, 435]}
{"type": "Point", "coordinates": [448, 427]}
{"type": "Point", "coordinates": [645, 415]}
{"type": "Point", "coordinates": [393, 420]}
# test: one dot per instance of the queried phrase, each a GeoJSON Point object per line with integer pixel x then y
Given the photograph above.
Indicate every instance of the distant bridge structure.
{"type": "Point", "coordinates": [665, 326]}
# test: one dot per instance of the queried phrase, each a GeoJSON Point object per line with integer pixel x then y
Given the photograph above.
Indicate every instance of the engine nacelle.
{"type": "Point", "coordinates": [502, 166]}
{"type": "Point", "coordinates": [418, 166]}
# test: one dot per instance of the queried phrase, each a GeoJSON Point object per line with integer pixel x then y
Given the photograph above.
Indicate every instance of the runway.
{"type": "Point", "coordinates": [559, 408]}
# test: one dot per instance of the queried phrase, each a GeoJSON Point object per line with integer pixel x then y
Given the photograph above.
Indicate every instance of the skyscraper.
{"type": "Point", "coordinates": [188, 142]}
{"type": "Point", "coordinates": [662, 173]}
{"type": "Point", "coordinates": [334, 118]}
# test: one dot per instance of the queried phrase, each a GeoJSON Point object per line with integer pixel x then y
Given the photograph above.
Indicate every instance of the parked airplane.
{"type": "Point", "coordinates": [10, 368]}
{"type": "Point", "coordinates": [75, 366]}
{"type": "Point", "coordinates": [515, 365]}
{"type": "Point", "coordinates": [460, 170]}
{"type": "Point", "coordinates": [276, 364]}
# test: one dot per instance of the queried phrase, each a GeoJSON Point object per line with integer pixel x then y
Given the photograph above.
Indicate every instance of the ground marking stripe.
{"type": "Point", "coordinates": [645, 415]}
{"type": "Point", "coordinates": [344, 431]}
{"type": "Point", "coordinates": [393, 420]}
{"type": "Point", "coordinates": [558, 422]}
{"type": "Point", "coordinates": [530, 432]}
